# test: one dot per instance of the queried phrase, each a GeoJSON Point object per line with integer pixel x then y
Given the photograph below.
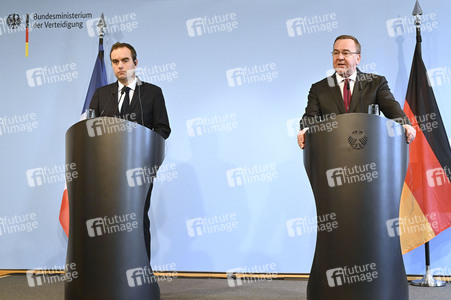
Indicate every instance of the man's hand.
{"type": "Point", "coordinates": [301, 137]}
{"type": "Point", "coordinates": [410, 133]}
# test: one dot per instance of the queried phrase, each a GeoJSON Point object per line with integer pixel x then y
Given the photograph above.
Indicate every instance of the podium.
{"type": "Point", "coordinates": [356, 164]}
{"type": "Point", "coordinates": [115, 161]}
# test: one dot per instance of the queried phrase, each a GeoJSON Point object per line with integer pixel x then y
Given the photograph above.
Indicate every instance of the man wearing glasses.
{"type": "Point", "coordinates": [350, 91]}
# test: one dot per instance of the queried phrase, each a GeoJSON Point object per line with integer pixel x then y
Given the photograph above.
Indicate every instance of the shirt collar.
{"type": "Point", "coordinates": [131, 85]}
{"type": "Point", "coordinates": [353, 77]}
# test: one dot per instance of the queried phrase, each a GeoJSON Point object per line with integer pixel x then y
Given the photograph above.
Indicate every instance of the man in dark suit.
{"type": "Point", "coordinates": [130, 98]}
{"type": "Point", "coordinates": [350, 91]}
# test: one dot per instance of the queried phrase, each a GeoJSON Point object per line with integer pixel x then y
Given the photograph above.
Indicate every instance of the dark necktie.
{"type": "Point", "coordinates": [126, 102]}
{"type": "Point", "coordinates": [347, 95]}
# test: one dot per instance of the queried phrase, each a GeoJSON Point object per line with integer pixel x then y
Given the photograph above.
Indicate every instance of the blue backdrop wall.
{"type": "Point", "coordinates": [235, 75]}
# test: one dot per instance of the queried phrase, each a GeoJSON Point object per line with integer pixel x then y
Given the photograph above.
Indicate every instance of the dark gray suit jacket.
{"type": "Point", "coordinates": [153, 114]}
{"type": "Point", "coordinates": [325, 97]}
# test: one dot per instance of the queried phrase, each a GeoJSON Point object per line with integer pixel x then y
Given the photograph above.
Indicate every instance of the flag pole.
{"type": "Point", "coordinates": [428, 279]}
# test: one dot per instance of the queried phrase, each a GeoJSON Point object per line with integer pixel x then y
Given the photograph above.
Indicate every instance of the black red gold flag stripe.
{"type": "Point", "coordinates": [426, 198]}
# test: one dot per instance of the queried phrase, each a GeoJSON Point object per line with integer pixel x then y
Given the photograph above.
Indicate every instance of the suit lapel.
{"type": "Point", "coordinates": [356, 94]}
{"type": "Point", "coordinates": [335, 94]}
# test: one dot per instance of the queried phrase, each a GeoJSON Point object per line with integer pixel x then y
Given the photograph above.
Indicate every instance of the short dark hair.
{"type": "Point", "coordinates": [122, 45]}
{"type": "Point", "coordinates": [349, 37]}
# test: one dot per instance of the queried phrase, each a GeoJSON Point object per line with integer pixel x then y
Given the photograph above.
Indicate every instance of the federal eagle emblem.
{"type": "Point", "coordinates": [13, 21]}
{"type": "Point", "coordinates": [357, 140]}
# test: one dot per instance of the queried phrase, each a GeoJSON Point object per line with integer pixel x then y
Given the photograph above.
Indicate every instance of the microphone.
{"type": "Point", "coordinates": [139, 83]}
{"type": "Point", "coordinates": [360, 94]}
{"type": "Point", "coordinates": [113, 92]}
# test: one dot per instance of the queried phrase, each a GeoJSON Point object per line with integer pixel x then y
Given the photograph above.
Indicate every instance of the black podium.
{"type": "Point", "coordinates": [356, 164]}
{"type": "Point", "coordinates": [115, 160]}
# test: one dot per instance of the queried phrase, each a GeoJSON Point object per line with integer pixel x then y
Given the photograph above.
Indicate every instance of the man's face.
{"type": "Point", "coordinates": [123, 65]}
{"type": "Point", "coordinates": [345, 66]}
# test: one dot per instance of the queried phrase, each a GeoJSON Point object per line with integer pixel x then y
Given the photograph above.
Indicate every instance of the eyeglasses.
{"type": "Point", "coordinates": [345, 53]}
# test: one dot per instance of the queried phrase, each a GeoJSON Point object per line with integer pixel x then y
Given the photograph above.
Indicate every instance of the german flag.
{"type": "Point", "coordinates": [425, 208]}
